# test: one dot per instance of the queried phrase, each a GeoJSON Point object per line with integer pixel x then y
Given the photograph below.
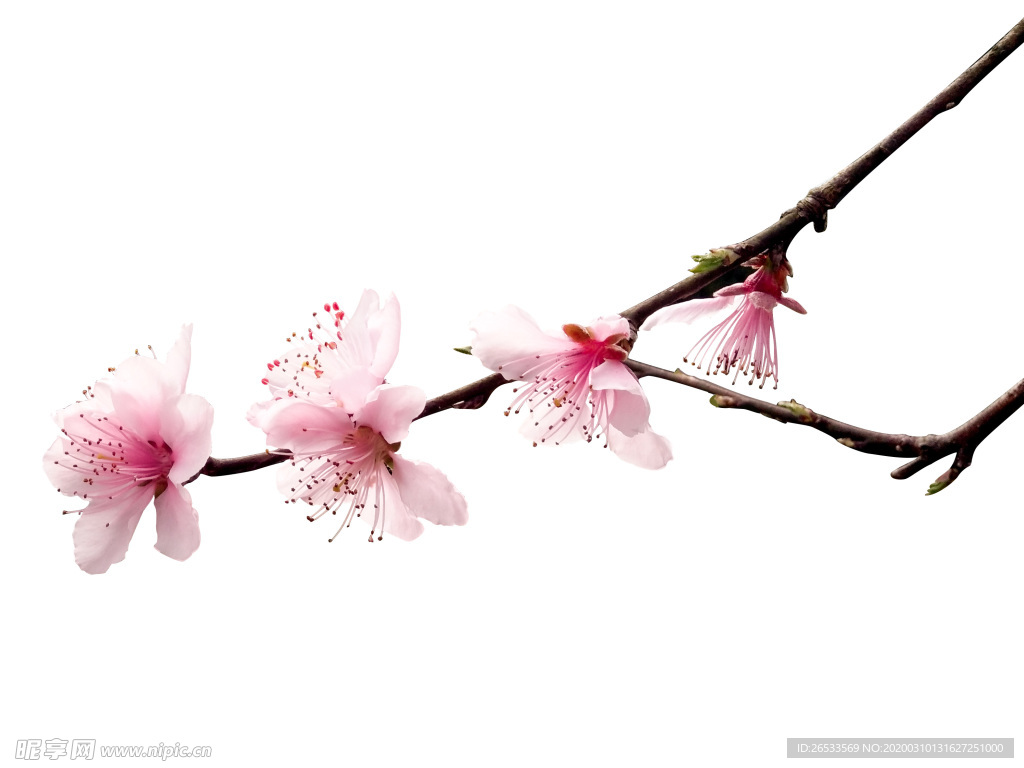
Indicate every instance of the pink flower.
{"type": "Point", "coordinates": [338, 359]}
{"type": "Point", "coordinates": [745, 340]}
{"type": "Point", "coordinates": [343, 426]}
{"type": "Point", "coordinates": [578, 385]}
{"type": "Point", "coordinates": [136, 437]}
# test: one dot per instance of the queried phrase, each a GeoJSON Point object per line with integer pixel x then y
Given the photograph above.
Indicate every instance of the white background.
{"type": "Point", "coordinates": [236, 165]}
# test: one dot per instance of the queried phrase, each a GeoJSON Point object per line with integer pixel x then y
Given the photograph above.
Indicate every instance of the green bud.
{"type": "Point", "coordinates": [723, 401]}
{"type": "Point", "coordinates": [717, 258]}
{"type": "Point", "coordinates": [464, 350]}
{"type": "Point", "coordinates": [802, 412]}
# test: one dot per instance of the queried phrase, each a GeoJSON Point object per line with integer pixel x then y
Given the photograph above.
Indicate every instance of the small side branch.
{"type": "Point", "coordinates": [470, 396]}
{"type": "Point", "coordinates": [927, 449]}
{"type": "Point", "coordinates": [217, 467]}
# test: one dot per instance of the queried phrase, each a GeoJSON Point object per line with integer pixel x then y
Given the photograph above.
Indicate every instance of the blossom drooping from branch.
{"type": "Point", "coordinates": [137, 436]}
{"type": "Point", "coordinates": [343, 425]}
{"type": "Point", "coordinates": [577, 384]}
{"type": "Point", "coordinates": [745, 340]}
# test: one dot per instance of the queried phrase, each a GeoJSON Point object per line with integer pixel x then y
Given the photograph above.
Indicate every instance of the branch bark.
{"type": "Point", "coordinates": [926, 449]}
{"type": "Point", "coordinates": [813, 208]}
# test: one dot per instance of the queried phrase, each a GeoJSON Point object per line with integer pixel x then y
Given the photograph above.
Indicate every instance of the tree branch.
{"type": "Point", "coordinates": [813, 208]}
{"type": "Point", "coordinates": [926, 449]}
{"type": "Point", "coordinates": [816, 204]}
{"type": "Point", "coordinates": [217, 467]}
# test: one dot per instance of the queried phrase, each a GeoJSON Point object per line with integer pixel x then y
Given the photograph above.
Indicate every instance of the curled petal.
{"type": "Point", "coordinates": [792, 304]}
{"type": "Point", "coordinates": [177, 524]}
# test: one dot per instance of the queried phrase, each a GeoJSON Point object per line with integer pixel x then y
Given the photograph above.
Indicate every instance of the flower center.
{"type": "Point", "coordinates": [344, 477]}
{"type": "Point", "coordinates": [110, 459]}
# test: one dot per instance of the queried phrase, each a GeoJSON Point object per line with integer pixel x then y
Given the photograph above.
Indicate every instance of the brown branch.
{"type": "Point", "coordinates": [926, 449]}
{"type": "Point", "coordinates": [217, 467]}
{"type": "Point", "coordinates": [470, 396]}
{"type": "Point", "coordinates": [817, 203]}
{"type": "Point", "coordinates": [814, 208]}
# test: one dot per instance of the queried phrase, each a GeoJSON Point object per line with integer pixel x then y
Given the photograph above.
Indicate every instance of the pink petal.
{"type": "Point", "coordinates": [687, 311]}
{"type": "Point", "coordinates": [179, 359]}
{"type": "Point", "coordinates": [258, 412]}
{"type": "Point", "coordinates": [350, 388]}
{"type": "Point", "coordinates": [628, 409]}
{"type": "Point", "coordinates": [390, 409]}
{"type": "Point", "coordinates": [792, 304]}
{"type": "Point", "coordinates": [736, 289]}
{"type": "Point", "coordinates": [306, 428]}
{"type": "Point", "coordinates": [398, 520]}
{"type": "Point", "coordinates": [177, 524]}
{"type": "Point", "coordinates": [645, 449]}
{"type": "Point", "coordinates": [64, 479]}
{"type": "Point", "coordinates": [138, 393]}
{"type": "Point", "coordinates": [384, 327]}
{"type": "Point", "coordinates": [186, 428]}
{"type": "Point", "coordinates": [510, 341]}
{"type": "Point", "coordinates": [370, 336]}
{"type": "Point", "coordinates": [105, 528]}
{"type": "Point", "coordinates": [429, 494]}
{"type": "Point", "coordinates": [606, 327]}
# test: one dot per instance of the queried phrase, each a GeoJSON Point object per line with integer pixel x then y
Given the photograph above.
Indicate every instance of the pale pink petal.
{"type": "Point", "coordinates": [429, 494]}
{"type": "Point", "coordinates": [792, 304]}
{"type": "Point", "coordinates": [398, 520]}
{"type": "Point", "coordinates": [687, 311]}
{"type": "Point", "coordinates": [606, 327]}
{"type": "Point", "coordinates": [612, 374]}
{"type": "Point", "coordinates": [384, 328]}
{"type": "Point", "coordinates": [186, 429]}
{"type": "Point", "coordinates": [351, 387]}
{"type": "Point", "coordinates": [177, 524]}
{"type": "Point", "coordinates": [138, 393]}
{"type": "Point", "coordinates": [304, 427]}
{"type": "Point", "coordinates": [390, 409]}
{"type": "Point", "coordinates": [257, 413]}
{"type": "Point", "coordinates": [105, 528]}
{"type": "Point", "coordinates": [625, 404]}
{"type": "Point", "coordinates": [179, 359]}
{"type": "Point", "coordinates": [357, 342]}
{"type": "Point", "coordinates": [645, 449]}
{"type": "Point", "coordinates": [511, 342]}
{"type": "Point", "coordinates": [64, 479]}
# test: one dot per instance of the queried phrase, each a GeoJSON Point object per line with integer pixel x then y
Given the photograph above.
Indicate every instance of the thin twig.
{"type": "Point", "coordinates": [926, 449]}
